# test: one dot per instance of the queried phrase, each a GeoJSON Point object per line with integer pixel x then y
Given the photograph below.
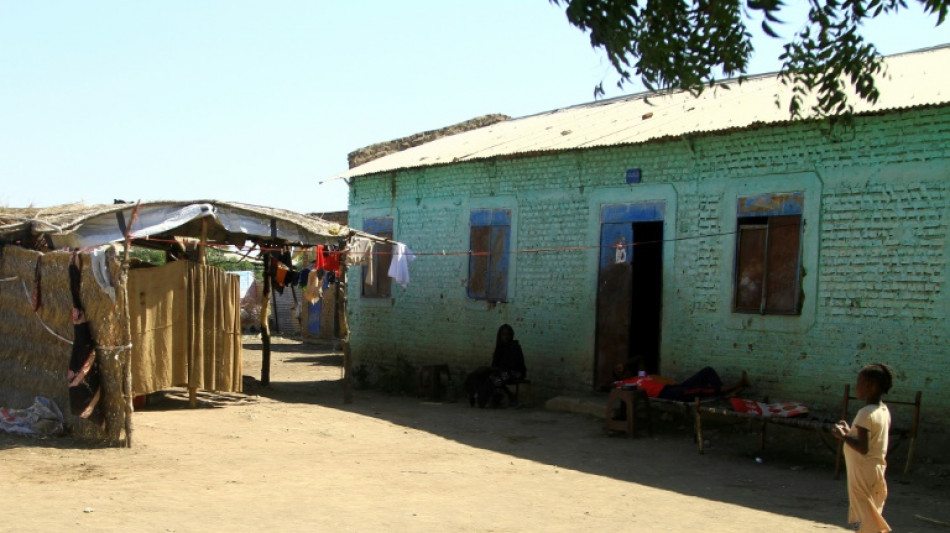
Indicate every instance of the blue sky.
{"type": "Point", "coordinates": [259, 102]}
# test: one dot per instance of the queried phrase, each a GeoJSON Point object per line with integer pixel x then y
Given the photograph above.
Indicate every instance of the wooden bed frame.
{"type": "Point", "coordinates": [699, 407]}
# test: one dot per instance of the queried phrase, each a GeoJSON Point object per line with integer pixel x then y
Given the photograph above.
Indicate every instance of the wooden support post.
{"type": "Point", "coordinates": [699, 426]}
{"type": "Point", "coordinates": [125, 356]}
{"type": "Point", "coordinates": [265, 324]}
{"type": "Point", "coordinates": [347, 360]}
{"type": "Point", "coordinates": [203, 243]}
{"type": "Point", "coordinates": [913, 434]}
{"type": "Point", "coordinates": [202, 260]}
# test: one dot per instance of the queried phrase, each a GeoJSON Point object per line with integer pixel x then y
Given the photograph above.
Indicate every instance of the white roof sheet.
{"type": "Point", "coordinates": [912, 79]}
{"type": "Point", "coordinates": [80, 225]}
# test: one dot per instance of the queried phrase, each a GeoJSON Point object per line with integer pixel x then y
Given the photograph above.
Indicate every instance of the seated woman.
{"type": "Point", "coordinates": [486, 384]}
{"type": "Point", "coordinates": [704, 383]}
{"type": "Point", "coordinates": [508, 361]}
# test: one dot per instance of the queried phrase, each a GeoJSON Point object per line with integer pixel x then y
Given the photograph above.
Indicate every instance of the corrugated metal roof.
{"type": "Point", "coordinates": [913, 79]}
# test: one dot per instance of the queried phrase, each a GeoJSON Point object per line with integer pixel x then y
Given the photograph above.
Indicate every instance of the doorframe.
{"type": "Point", "coordinates": [636, 194]}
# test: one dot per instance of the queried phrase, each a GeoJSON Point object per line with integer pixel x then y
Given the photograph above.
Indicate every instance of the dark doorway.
{"type": "Point", "coordinates": [647, 288]}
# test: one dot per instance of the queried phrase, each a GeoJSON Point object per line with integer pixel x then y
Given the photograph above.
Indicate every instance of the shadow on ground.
{"type": "Point", "coordinates": [793, 476]}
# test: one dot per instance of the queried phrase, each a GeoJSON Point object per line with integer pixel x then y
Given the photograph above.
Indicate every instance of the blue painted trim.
{"type": "Point", "coordinates": [640, 212]}
{"type": "Point", "coordinates": [490, 217]}
{"type": "Point", "coordinates": [378, 225]}
{"type": "Point", "coordinates": [771, 204]}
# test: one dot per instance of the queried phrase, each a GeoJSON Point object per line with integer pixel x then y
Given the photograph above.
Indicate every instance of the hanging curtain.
{"type": "Point", "coordinates": [186, 328]}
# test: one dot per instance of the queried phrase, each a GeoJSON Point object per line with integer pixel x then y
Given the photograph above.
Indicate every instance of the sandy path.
{"type": "Point", "coordinates": [298, 459]}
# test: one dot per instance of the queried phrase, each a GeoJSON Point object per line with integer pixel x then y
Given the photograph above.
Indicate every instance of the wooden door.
{"type": "Point", "coordinates": [614, 297]}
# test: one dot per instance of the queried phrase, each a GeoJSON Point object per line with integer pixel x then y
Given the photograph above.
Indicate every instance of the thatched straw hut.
{"type": "Point", "coordinates": [177, 325]}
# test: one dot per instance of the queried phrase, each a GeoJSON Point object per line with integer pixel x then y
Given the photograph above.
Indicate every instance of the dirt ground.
{"type": "Point", "coordinates": [293, 457]}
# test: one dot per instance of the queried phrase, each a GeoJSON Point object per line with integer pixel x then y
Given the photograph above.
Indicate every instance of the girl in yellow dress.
{"type": "Point", "coordinates": [865, 447]}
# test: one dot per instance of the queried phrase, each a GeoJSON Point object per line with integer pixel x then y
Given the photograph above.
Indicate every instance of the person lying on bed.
{"type": "Point", "coordinates": [702, 384]}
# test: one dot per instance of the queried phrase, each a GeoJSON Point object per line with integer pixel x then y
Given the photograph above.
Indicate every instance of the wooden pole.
{"type": "Point", "coordinates": [202, 259]}
{"type": "Point", "coordinates": [347, 361]}
{"type": "Point", "coordinates": [203, 243]}
{"type": "Point", "coordinates": [699, 427]}
{"type": "Point", "coordinates": [125, 356]}
{"type": "Point", "coordinates": [265, 324]}
{"type": "Point", "coordinates": [913, 434]}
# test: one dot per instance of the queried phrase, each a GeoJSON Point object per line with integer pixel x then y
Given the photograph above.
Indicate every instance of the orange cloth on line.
{"type": "Point", "coordinates": [280, 272]}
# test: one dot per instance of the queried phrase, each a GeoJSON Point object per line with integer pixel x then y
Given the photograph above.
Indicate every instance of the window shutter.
{"type": "Point", "coordinates": [498, 265]}
{"type": "Point", "coordinates": [783, 264]}
{"type": "Point", "coordinates": [750, 267]}
{"type": "Point", "coordinates": [478, 262]}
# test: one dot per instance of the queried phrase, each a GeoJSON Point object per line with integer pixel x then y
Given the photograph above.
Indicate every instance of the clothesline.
{"type": "Point", "coordinates": [555, 249]}
{"type": "Point", "coordinates": [447, 253]}
{"type": "Point", "coordinates": [552, 249]}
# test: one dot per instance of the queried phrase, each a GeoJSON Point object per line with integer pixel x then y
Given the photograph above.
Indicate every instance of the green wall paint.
{"type": "Point", "coordinates": [877, 228]}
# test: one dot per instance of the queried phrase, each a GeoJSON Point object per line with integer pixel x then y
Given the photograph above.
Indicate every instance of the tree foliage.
{"type": "Point", "coordinates": [213, 256]}
{"type": "Point", "coordinates": [685, 44]}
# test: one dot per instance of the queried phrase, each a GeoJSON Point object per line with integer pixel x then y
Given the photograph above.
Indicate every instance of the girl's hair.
{"type": "Point", "coordinates": [882, 374]}
{"type": "Point", "coordinates": [498, 336]}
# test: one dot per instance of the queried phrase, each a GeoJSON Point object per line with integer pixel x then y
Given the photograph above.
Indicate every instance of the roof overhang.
{"type": "Point", "coordinates": [911, 80]}
{"type": "Point", "coordinates": [83, 226]}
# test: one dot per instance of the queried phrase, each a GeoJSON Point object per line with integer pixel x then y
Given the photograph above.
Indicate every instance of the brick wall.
{"type": "Point", "coordinates": [875, 250]}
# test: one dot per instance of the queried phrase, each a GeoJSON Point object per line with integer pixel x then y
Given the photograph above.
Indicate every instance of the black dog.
{"type": "Point", "coordinates": [483, 386]}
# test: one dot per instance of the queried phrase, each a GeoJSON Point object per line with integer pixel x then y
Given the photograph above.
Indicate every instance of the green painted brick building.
{"type": "Point", "coordinates": [689, 231]}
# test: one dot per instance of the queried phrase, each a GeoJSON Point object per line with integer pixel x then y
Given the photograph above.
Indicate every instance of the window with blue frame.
{"type": "Point", "coordinates": [379, 284]}
{"type": "Point", "coordinates": [490, 240]}
{"type": "Point", "coordinates": [769, 254]}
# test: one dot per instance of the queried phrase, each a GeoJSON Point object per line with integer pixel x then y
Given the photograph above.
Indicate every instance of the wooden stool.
{"type": "Point", "coordinates": [628, 398]}
{"type": "Point", "coordinates": [526, 385]}
{"type": "Point", "coordinates": [430, 381]}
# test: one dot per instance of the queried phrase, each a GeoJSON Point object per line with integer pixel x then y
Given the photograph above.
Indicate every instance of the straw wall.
{"type": "Point", "coordinates": [34, 362]}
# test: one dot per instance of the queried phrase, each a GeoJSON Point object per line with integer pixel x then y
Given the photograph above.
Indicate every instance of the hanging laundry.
{"type": "Point", "coordinates": [292, 278]}
{"type": "Point", "coordinates": [100, 271]}
{"type": "Point", "coordinates": [304, 277]}
{"type": "Point", "coordinates": [313, 292]}
{"type": "Point", "coordinates": [83, 377]}
{"type": "Point", "coordinates": [327, 259]}
{"type": "Point", "coordinates": [318, 256]}
{"type": "Point", "coordinates": [399, 268]}
{"type": "Point", "coordinates": [361, 253]}
{"type": "Point", "coordinates": [279, 273]}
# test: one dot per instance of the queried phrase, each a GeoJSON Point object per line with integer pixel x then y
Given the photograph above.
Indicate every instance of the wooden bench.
{"type": "Point", "coordinates": [823, 426]}
{"type": "Point", "coordinates": [628, 399]}
{"type": "Point", "coordinates": [904, 433]}
{"type": "Point", "coordinates": [518, 384]}
{"type": "Point", "coordinates": [430, 381]}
